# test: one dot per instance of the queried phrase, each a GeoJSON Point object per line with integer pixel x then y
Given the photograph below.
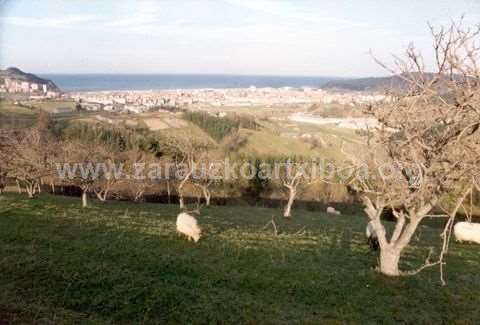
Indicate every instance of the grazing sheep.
{"type": "Point", "coordinates": [467, 232]}
{"type": "Point", "coordinates": [372, 238]}
{"type": "Point", "coordinates": [187, 225]}
{"type": "Point", "coordinates": [332, 210]}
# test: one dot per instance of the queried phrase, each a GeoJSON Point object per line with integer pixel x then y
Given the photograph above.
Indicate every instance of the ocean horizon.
{"type": "Point", "coordinates": [110, 82]}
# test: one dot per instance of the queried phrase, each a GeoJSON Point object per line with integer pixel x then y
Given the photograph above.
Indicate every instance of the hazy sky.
{"type": "Point", "coordinates": [328, 38]}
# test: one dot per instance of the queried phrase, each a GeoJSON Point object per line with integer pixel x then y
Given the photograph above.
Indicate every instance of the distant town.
{"type": "Point", "coordinates": [143, 101]}
{"type": "Point", "coordinates": [32, 88]}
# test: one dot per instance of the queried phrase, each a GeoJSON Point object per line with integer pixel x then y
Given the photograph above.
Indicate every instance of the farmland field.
{"type": "Point", "coordinates": [119, 262]}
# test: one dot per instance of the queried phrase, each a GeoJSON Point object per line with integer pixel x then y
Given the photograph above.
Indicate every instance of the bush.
{"type": "Point", "coordinates": [219, 127]}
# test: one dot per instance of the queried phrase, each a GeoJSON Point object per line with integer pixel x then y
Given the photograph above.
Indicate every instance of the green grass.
{"type": "Point", "coordinates": [123, 263]}
{"type": "Point", "coordinates": [8, 107]}
{"type": "Point", "coordinates": [266, 143]}
{"type": "Point", "coordinates": [50, 105]}
{"type": "Point", "coordinates": [47, 105]}
{"type": "Point", "coordinates": [274, 140]}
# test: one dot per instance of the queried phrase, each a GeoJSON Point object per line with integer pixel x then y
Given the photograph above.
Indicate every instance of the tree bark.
{"type": "Point", "coordinates": [408, 232]}
{"type": "Point", "coordinates": [207, 195]}
{"type": "Point", "coordinates": [389, 259]}
{"type": "Point", "coordinates": [180, 189]}
{"type": "Point", "coordinates": [168, 191]}
{"type": "Point", "coordinates": [30, 188]}
{"type": "Point", "coordinates": [287, 211]}
{"type": "Point", "coordinates": [102, 195]}
{"type": "Point", "coordinates": [38, 188]}
{"type": "Point", "coordinates": [180, 201]}
{"type": "Point", "coordinates": [84, 199]}
{"type": "Point", "coordinates": [138, 195]}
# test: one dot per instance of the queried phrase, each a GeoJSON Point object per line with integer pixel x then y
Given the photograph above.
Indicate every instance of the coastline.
{"type": "Point", "coordinates": [162, 82]}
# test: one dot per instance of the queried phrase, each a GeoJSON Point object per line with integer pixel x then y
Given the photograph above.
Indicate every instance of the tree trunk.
{"type": "Point", "coordinates": [208, 196]}
{"type": "Point", "coordinates": [30, 188]}
{"type": "Point", "coordinates": [180, 200]}
{"type": "Point", "coordinates": [52, 186]}
{"type": "Point", "coordinates": [19, 187]}
{"type": "Point", "coordinates": [168, 191]}
{"type": "Point", "coordinates": [138, 195]}
{"type": "Point", "coordinates": [102, 195]}
{"type": "Point", "coordinates": [389, 259]}
{"type": "Point", "coordinates": [207, 199]}
{"type": "Point", "coordinates": [84, 199]}
{"type": "Point", "coordinates": [180, 189]}
{"type": "Point", "coordinates": [287, 211]}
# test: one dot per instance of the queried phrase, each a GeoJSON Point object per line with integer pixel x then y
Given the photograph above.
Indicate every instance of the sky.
{"type": "Point", "coordinates": [262, 37]}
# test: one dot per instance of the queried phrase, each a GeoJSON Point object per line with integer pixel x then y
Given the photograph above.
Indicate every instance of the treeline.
{"type": "Point", "coordinates": [122, 138]}
{"type": "Point", "coordinates": [219, 127]}
{"type": "Point", "coordinates": [30, 157]}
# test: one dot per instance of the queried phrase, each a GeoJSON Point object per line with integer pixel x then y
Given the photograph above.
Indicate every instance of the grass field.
{"type": "Point", "coordinates": [123, 263]}
{"type": "Point", "coordinates": [50, 105]}
{"type": "Point", "coordinates": [8, 107]}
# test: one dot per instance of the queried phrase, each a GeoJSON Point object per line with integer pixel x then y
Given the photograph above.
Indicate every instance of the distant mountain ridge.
{"type": "Point", "coordinates": [13, 80]}
{"type": "Point", "coordinates": [370, 83]}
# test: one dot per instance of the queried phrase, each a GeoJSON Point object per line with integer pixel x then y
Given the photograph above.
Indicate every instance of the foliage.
{"type": "Point", "coordinates": [122, 138]}
{"type": "Point", "coordinates": [219, 127]}
{"type": "Point", "coordinates": [258, 184]}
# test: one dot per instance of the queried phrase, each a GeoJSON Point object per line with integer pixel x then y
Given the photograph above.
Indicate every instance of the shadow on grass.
{"type": "Point", "coordinates": [124, 263]}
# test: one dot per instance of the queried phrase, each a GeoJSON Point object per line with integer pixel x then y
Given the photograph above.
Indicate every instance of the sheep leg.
{"type": "Point", "coordinates": [373, 243]}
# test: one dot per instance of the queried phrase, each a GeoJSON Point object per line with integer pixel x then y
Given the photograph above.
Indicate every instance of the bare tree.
{"type": "Point", "coordinates": [428, 145]}
{"type": "Point", "coordinates": [107, 177]}
{"type": "Point", "coordinates": [291, 176]}
{"type": "Point", "coordinates": [184, 167]}
{"type": "Point", "coordinates": [87, 165]}
{"type": "Point", "coordinates": [32, 155]}
{"type": "Point", "coordinates": [184, 153]}
{"type": "Point", "coordinates": [206, 173]}
{"type": "Point", "coordinates": [139, 182]}
{"type": "Point", "coordinates": [295, 177]}
{"type": "Point", "coordinates": [5, 156]}
{"type": "Point", "coordinates": [29, 156]}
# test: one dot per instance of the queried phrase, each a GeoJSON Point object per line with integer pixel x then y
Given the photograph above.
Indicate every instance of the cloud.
{"type": "Point", "coordinates": [140, 13]}
{"type": "Point", "coordinates": [47, 22]}
{"type": "Point", "coordinates": [287, 10]}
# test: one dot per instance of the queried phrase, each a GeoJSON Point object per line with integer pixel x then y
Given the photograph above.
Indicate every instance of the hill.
{"type": "Point", "coordinates": [370, 83]}
{"type": "Point", "coordinates": [123, 263]}
{"type": "Point", "coordinates": [12, 79]}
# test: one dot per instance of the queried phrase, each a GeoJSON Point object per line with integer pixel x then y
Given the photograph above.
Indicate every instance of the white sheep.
{"type": "Point", "coordinates": [372, 238]}
{"type": "Point", "coordinates": [467, 232]}
{"type": "Point", "coordinates": [187, 225]}
{"type": "Point", "coordinates": [332, 210]}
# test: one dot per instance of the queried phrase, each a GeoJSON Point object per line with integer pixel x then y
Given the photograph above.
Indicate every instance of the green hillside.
{"type": "Point", "coordinates": [123, 263]}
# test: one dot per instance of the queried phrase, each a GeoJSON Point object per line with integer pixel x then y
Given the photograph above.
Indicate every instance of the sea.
{"type": "Point", "coordinates": [104, 82]}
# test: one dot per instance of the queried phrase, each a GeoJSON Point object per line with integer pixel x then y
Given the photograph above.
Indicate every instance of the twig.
{"type": "Point", "coordinates": [426, 264]}
{"type": "Point", "coordinates": [301, 231]}
{"type": "Point", "coordinates": [271, 222]}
